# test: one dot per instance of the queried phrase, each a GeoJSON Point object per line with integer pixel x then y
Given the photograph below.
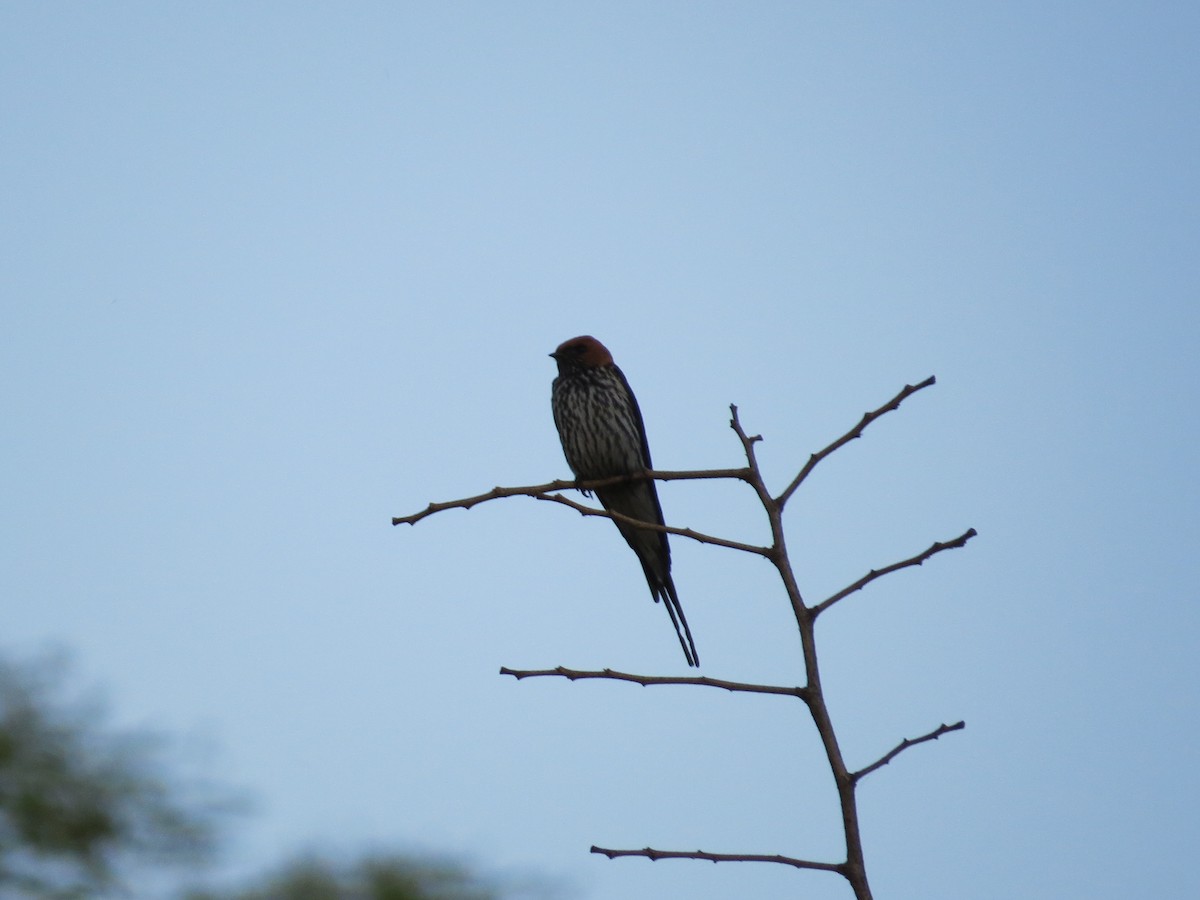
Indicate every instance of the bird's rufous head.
{"type": "Point", "coordinates": [583, 352]}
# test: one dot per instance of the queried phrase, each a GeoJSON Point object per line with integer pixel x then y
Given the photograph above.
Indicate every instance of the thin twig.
{"type": "Point", "coordinates": [754, 478]}
{"type": "Point", "coordinates": [937, 547]}
{"type": "Point", "coordinates": [904, 745]}
{"type": "Point", "coordinates": [654, 526]}
{"type": "Point", "coordinates": [647, 680]}
{"type": "Point", "coordinates": [856, 431]}
{"type": "Point", "coordinates": [654, 855]}
{"type": "Point", "coordinates": [533, 490]}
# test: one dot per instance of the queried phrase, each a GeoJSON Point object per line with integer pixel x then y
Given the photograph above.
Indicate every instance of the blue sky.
{"type": "Point", "coordinates": [274, 273]}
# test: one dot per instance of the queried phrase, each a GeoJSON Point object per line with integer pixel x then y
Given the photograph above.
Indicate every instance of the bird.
{"type": "Point", "coordinates": [602, 434]}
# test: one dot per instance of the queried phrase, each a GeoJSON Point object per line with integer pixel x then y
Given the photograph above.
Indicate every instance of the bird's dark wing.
{"type": "Point", "coordinates": [637, 415]}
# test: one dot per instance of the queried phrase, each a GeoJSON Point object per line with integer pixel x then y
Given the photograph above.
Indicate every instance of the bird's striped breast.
{"type": "Point", "coordinates": [598, 423]}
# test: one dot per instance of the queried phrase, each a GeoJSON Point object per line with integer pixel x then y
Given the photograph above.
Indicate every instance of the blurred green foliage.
{"type": "Point", "coordinates": [81, 805]}
{"type": "Point", "coordinates": [392, 877]}
{"type": "Point", "coordinates": [88, 811]}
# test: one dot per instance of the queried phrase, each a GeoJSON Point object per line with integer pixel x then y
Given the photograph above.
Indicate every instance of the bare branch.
{"type": "Point", "coordinates": [533, 490]}
{"type": "Point", "coordinates": [754, 476]}
{"type": "Point", "coordinates": [647, 680]}
{"type": "Point", "coordinates": [735, 422]}
{"type": "Point", "coordinates": [855, 432]}
{"type": "Point", "coordinates": [937, 547]}
{"type": "Point", "coordinates": [654, 855]}
{"type": "Point", "coordinates": [654, 526]}
{"type": "Point", "coordinates": [853, 869]}
{"type": "Point", "coordinates": [904, 745]}
{"type": "Point", "coordinates": [494, 494]}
